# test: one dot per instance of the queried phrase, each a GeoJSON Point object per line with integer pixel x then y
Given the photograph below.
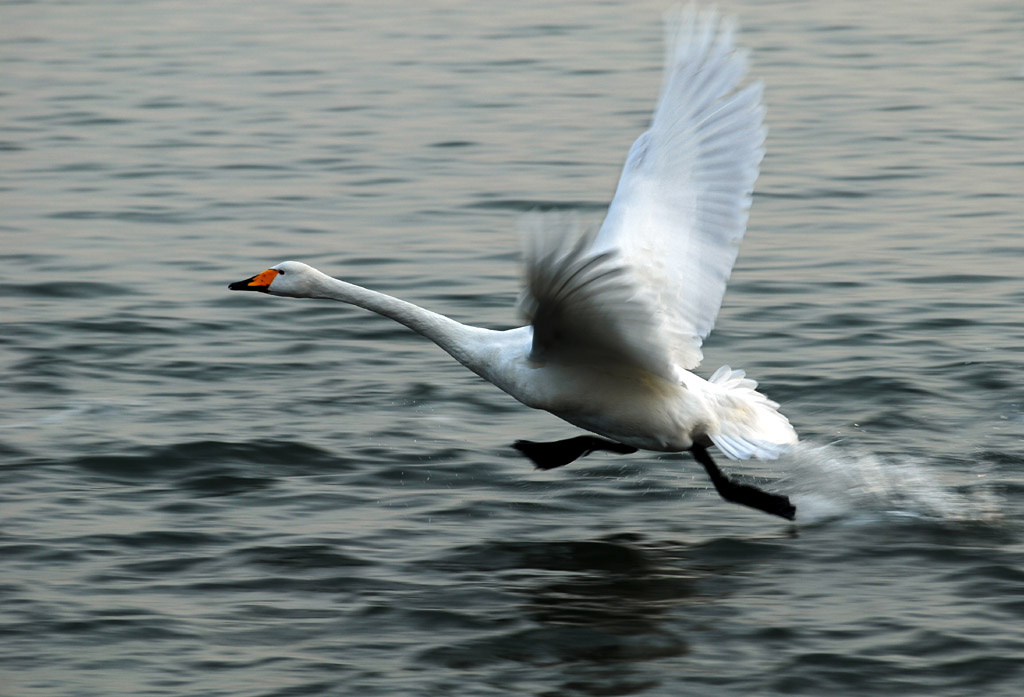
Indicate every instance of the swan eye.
{"type": "Point", "coordinates": [280, 271]}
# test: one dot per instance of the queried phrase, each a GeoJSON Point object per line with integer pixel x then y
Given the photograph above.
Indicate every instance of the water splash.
{"type": "Point", "coordinates": [828, 482]}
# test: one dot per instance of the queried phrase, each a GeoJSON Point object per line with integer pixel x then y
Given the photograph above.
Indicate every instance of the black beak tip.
{"type": "Point", "coordinates": [247, 284]}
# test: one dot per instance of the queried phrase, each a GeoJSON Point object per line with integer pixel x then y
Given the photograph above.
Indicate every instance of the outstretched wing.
{"type": "Point", "coordinates": [645, 290]}
{"type": "Point", "coordinates": [681, 206]}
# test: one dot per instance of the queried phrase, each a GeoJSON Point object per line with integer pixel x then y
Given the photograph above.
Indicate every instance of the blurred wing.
{"type": "Point", "coordinates": [680, 209]}
{"type": "Point", "coordinates": [583, 306]}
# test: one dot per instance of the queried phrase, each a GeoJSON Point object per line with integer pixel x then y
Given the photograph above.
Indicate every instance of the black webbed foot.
{"type": "Point", "coordinates": [557, 453]}
{"type": "Point", "coordinates": [743, 493]}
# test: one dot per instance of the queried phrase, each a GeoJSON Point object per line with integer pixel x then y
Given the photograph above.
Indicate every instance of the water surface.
{"type": "Point", "coordinates": [229, 494]}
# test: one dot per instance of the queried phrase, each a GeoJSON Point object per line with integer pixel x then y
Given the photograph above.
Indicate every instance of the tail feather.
{"type": "Point", "coordinates": [750, 424]}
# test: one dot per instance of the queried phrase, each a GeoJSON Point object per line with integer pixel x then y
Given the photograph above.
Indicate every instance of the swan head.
{"type": "Point", "coordinates": [289, 278]}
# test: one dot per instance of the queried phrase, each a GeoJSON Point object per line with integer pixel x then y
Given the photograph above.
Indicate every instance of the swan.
{"type": "Point", "coordinates": [617, 315]}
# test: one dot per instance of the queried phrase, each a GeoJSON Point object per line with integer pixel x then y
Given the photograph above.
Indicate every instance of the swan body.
{"type": "Point", "coordinates": [616, 317]}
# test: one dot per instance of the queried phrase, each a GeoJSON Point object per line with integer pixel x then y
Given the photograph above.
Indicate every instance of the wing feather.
{"type": "Point", "coordinates": [681, 206]}
{"type": "Point", "coordinates": [583, 305]}
{"type": "Point", "coordinates": [646, 288]}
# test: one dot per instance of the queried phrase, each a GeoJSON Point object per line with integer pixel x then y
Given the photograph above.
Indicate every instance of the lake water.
{"type": "Point", "coordinates": [214, 493]}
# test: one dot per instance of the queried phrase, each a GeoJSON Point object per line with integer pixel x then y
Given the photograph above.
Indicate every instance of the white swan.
{"type": "Point", "coordinates": [617, 317]}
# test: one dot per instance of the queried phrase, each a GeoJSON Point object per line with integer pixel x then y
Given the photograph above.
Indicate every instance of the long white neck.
{"type": "Point", "coordinates": [471, 346]}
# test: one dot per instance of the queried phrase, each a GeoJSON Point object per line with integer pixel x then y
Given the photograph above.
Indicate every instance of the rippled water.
{"type": "Point", "coordinates": [220, 494]}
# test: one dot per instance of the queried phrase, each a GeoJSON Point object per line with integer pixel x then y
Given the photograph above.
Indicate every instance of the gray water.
{"type": "Point", "coordinates": [220, 493]}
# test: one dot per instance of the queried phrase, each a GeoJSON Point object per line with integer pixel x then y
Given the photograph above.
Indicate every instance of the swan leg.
{"type": "Point", "coordinates": [743, 493]}
{"type": "Point", "coordinates": [547, 456]}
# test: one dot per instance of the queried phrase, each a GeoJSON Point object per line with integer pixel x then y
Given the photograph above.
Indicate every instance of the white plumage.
{"type": "Point", "coordinates": [617, 316]}
{"type": "Point", "coordinates": [680, 209]}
